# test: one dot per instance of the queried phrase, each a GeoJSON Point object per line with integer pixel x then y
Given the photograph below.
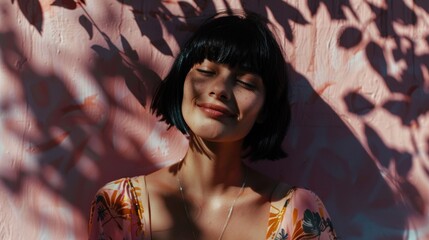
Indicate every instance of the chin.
{"type": "Point", "coordinates": [217, 137]}
{"type": "Point", "coordinates": [216, 132]}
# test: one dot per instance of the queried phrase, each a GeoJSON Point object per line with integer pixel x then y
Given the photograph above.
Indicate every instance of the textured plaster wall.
{"type": "Point", "coordinates": [76, 78]}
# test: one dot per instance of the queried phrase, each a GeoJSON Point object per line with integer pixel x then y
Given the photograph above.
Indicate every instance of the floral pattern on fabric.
{"type": "Point", "coordinates": [275, 218]}
{"type": "Point", "coordinates": [117, 213]}
{"type": "Point", "coordinates": [303, 216]}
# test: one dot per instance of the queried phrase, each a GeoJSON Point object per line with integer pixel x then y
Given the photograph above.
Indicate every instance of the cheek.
{"type": "Point", "coordinates": [251, 104]}
{"type": "Point", "coordinates": [192, 88]}
{"type": "Point", "coordinates": [187, 96]}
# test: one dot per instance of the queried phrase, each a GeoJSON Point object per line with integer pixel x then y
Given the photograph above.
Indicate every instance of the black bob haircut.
{"type": "Point", "coordinates": [238, 40]}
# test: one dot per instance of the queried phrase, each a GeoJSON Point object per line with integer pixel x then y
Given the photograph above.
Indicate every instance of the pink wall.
{"type": "Point", "coordinates": [76, 78]}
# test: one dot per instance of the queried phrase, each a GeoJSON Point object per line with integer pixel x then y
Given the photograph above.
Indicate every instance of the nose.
{"type": "Point", "coordinates": [221, 88]}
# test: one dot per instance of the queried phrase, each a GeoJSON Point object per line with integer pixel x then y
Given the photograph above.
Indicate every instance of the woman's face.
{"type": "Point", "coordinates": [221, 104]}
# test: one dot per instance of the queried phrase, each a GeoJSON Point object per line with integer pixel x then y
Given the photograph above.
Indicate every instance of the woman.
{"type": "Point", "coordinates": [227, 91]}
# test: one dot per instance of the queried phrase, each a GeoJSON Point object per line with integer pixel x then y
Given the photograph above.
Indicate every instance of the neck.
{"type": "Point", "coordinates": [212, 168]}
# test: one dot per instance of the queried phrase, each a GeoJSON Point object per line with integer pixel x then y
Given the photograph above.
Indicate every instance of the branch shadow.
{"type": "Point", "coordinates": [71, 140]}
{"type": "Point", "coordinates": [357, 183]}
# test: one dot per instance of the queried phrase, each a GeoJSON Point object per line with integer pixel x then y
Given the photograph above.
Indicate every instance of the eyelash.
{"type": "Point", "coordinates": [246, 84]}
{"type": "Point", "coordinates": [206, 72]}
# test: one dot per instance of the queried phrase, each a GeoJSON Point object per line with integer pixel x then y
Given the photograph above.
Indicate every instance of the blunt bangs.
{"type": "Point", "coordinates": [233, 41]}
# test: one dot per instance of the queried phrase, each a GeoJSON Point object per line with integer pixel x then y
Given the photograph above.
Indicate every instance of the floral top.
{"type": "Point", "coordinates": [117, 213]}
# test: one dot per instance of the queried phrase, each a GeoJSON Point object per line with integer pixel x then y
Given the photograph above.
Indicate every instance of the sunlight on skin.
{"type": "Point", "coordinates": [69, 123]}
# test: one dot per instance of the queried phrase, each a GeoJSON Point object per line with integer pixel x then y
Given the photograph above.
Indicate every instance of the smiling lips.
{"type": "Point", "coordinates": [215, 111]}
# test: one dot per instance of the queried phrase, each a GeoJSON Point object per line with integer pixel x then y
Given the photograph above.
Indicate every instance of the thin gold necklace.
{"type": "Point", "coordinates": [231, 209]}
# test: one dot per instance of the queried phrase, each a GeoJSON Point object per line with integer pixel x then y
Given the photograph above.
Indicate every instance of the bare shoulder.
{"type": "Point", "coordinates": [161, 181]}
{"type": "Point", "coordinates": [274, 190]}
{"type": "Point", "coordinates": [306, 198]}
{"type": "Point", "coordinates": [161, 191]}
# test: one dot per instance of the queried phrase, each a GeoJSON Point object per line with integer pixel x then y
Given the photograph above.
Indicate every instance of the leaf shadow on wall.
{"type": "Point", "coordinates": [350, 178]}
{"type": "Point", "coordinates": [407, 99]}
{"type": "Point", "coordinates": [325, 154]}
{"type": "Point", "coordinates": [335, 163]}
{"type": "Point", "coordinates": [154, 17]}
{"type": "Point", "coordinates": [71, 140]}
{"type": "Point", "coordinates": [408, 93]}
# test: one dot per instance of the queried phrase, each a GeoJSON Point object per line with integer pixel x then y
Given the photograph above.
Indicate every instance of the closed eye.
{"type": "Point", "coordinates": [205, 72]}
{"type": "Point", "coordinates": [247, 85]}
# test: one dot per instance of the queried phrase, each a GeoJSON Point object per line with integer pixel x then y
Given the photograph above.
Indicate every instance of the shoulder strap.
{"type": "Point", "coordinates": [135, 201]}
{"type": "Point", "coordinates": [148, 206]}
{"type": "Point", "coordinates": [135, 189]}
{"type": "Point", "coordinates": [280, 195]}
